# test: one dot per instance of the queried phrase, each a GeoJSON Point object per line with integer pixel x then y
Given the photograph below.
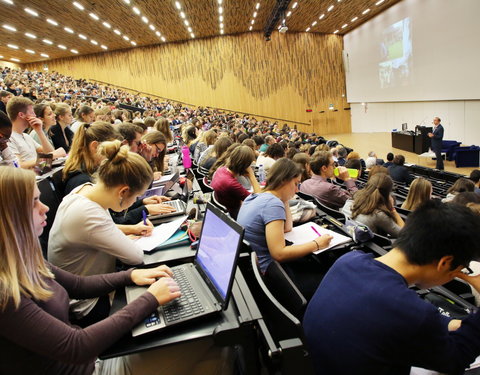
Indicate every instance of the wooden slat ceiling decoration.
{"type": "Point", "coordinates": [163, 20]}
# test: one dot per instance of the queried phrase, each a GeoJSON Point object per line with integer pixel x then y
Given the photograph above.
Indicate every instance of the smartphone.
{"type": "Point", "coordinates": [352, 172]}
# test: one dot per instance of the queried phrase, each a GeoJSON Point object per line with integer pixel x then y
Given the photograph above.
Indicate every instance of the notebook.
{"type": "Point", "coordinates": [205, 284]}
{"type": "Point", "coordinates": [304, 233]}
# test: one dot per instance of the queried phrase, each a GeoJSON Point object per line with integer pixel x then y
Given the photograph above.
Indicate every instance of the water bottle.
{"type": "Point", "coordinates": [261, 173]}
{"type": "Point", "coordinates": [187, 160]}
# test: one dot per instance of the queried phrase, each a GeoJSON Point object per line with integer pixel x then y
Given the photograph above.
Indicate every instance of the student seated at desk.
{"type": "Point", "coordinates": [84, 239]}
{"type": "Point", "coordinates": [36, 336]}
{"type": "Point", "coordinates": [364, 319]}
{"type": "Point", "coordinates": [153, 149]}
{"type": "Point", "coordinates": [419, 193]}
{"type": "Point", "coordinates": [266, 217]}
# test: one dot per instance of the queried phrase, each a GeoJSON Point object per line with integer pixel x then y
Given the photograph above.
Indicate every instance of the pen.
{"type": "Point", "coordinates": [316, 231]}
{"type": "Point", "coordinates": [144, 215]}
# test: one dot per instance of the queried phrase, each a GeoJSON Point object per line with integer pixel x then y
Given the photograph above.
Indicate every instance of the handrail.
{"type": "Point", "coordinates": [194, 105]}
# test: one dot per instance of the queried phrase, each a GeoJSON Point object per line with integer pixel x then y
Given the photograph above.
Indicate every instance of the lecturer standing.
{"type": "Point", "coordinates": [436, 140]}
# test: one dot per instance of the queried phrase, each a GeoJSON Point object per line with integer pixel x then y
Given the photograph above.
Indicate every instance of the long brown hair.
{"type": "Point", "coordinates": [222, 160]}
{"type": "Point", "coordinates": [22, 269]}
{"type": "Point", "coordinates": [282, 171]}
{"type": "Point", "coordinates": [152, 138]}
{"type": "Point", "coordinates": [419, 193]}
{"type": "Point", "coordinates": [375, 196]}
{"type": "Point", "coordinates": [162, 126]}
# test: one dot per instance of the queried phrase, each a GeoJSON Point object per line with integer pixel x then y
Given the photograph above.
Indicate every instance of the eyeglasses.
{"type": "Point", "coordinates": [158, 148]}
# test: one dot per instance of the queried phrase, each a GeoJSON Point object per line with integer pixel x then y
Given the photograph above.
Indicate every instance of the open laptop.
{"type": "Point", "coordinates": [180, 205]}
{"type": "Point", "coordinates": [153, 191]}
{"type": "Point", "coordinates": [167, 181]}
{"type": "Point", "coordinates": [205, 284]}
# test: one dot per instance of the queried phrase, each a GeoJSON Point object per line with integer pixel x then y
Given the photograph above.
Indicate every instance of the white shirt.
{"type": "Point", "coordinates": [8, 157]}
{"type": "Point", "coordinates": [24, 146]}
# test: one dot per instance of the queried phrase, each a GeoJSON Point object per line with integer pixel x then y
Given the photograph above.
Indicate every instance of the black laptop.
{"type": "Point", "coordinates": [205, 284]}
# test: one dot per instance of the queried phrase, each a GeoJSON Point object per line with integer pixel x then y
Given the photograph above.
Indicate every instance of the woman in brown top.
{"type": "Point", "coordinates": [35, 333]}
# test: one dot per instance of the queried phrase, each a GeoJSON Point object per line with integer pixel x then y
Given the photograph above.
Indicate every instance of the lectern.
{"type": "Point", "coordinates": [422, 140]}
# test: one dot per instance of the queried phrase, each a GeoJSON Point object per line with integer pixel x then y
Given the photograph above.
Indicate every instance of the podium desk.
{"type": "Point", "coordinates": [403, 141]}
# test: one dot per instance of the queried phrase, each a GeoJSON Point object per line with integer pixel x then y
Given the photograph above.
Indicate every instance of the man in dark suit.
{"type": "Point", "coordinates": [436, 138]}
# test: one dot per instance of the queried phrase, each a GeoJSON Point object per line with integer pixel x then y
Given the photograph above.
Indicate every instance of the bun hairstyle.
{"type": "Point", "coordinates": [122, 167]}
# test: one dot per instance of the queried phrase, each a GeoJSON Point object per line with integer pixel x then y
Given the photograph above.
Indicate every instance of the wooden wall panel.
{"type": "Point", "coordinates": [280, 78]}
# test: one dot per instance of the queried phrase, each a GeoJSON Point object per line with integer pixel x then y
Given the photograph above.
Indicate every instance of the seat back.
{"type": "Point", "coordinates": [49, 197]}
{"type": "Point", "coordinates": [217, 204]}
{"type": "Point", "coordinates": [338, 215]}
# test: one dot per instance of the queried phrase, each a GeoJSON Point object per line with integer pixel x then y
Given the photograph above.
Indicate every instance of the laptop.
{"type": "Point", "coordinates": [167, 181]}
{"type": "Point", "coordinates": [180, 205]}
{"type": "Point", "coordinates": [205, 284]}
{"type": "Point", "coordinates": [153, 191]}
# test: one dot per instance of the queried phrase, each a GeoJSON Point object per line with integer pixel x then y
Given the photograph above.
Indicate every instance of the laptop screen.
{"type": "Point", "coordinates": [153, 191]}
{"type": "Point", "coordinates": [217, 250]}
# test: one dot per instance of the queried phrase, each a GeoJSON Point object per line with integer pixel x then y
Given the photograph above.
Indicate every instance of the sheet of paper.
{"type": "Point", "coordinates": [160, 234]}
{"type": "Point", "coordinates": [304, 233]}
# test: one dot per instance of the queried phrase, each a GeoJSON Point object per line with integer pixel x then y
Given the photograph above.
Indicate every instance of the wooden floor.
{"type": "Point", "coordinates": [381, 143]}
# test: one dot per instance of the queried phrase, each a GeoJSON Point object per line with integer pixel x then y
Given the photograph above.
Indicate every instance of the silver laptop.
{"type": "Point", "coordinates": [180, 205]}
{"type": "Point", "coordinates": [205, 284]}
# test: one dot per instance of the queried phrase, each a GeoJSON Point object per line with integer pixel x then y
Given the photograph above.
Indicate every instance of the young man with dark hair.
{"type": "Point", "coordinates": [475, 177]}
{"type": "Point", "coordinates": [389, 160]}
{"type": "Point", "coordinates": [5, 96]}
{"type": "Point", "coordinates": [363, 318]}
{"type": "Point", "coordinates": [7, 157]}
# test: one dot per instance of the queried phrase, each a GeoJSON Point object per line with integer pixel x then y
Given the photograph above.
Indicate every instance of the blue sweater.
{"type": "Point", "coordinates": [363, 319]}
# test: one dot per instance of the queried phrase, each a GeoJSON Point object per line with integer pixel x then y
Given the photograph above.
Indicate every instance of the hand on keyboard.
{"type": "Point", "coordinates": [147, 276]}
{"type": "Point", "coordinates": [165, 290]}
{"type": "Point", "coordinates": [159, 208]}
{"type": "Point", "coordinates": [154, 199]}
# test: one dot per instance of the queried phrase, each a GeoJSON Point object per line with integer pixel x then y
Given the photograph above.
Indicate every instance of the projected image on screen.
{"type": "Point", "coordinates": [396, 55]}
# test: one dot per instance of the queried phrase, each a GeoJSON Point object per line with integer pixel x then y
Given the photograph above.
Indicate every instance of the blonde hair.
{"type": "Point", "coordinates": [22, 269]}
{"type": "Point", "coordinates": [80, 158]}
{"type": "Point", "coordinates": [122, 167]}
{"type": "Point", "coordinates": [162, 126]}
{"type": "Point", "coordinates": [419, 193]}
{"type": "Point", "coordinates": [61, 109]}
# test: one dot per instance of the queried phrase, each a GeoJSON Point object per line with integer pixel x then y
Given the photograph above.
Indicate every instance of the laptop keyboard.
{"type": "Point", "coordinates": [188, 304]}
{"type": "Point", "coordinates": [175, 204]}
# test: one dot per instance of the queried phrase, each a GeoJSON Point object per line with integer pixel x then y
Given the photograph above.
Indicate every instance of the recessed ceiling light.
{"type": "Point", "coordinates": [186, 23]}
{"type": "Point", "coordinates": [288, 14]}
{"type": "Point", "coordinates": [221, 25]}
{"type": "Point", "coordinates": [307, 30]}
{"type": "Point", "coordinates": [157, 33]}
{"type": "Point", "coordinates": [126, 38]}
{"type": "Point", "coordinates": [31, 12]}
{"type": "Point", "coordinates": [30, 36]}
{"type": "Point", "coordinates": [255, 14]}
{"type": "Point", "coordinates": [145, 19]}
{"type": "Point", "coordinates": [294, 4]}
{"type": "Point", "coordinates": [252, 22]}
{"type": "Point", "coordinates": [182, 14]}
{"type": "Point", "coordinates": [314, 23]}
{"type": "Point", "coordinates": [46, 41]}
{"type": "Point", "coordinates": [250, 28]}
{"type": "Point", "coordinates": [336, 31]}
{"type": "Point", "coordinates": [163, 39]}
{"type": "Point", "coordinates": [151, 27]}
{"type": "Point", "coordinates": [61, 46]}
{"type": "Point", "coordinates": [73, 51]}
{"type": "Point", "coordinates": [8, 2]}
{"type": "Point", "coordinates": [136, 10]}
{"type": "Point", "coordinates": [192, 35]}
{"type": "Point", "coordinates": [52, 22]}
{"type": "Point", "coordinates": [12, 46]}
{"type": "Point", "coordinates": [126, 1]}
{"type": "Point", "coordinates": [44, 55]}
{"type": "Point", "coordinates": [94, 16]}
{"type": "Point", "coordinates": [133, 43]}
{"type": "Point", "coordinates": [177, 5]}
{"type": "Point", "coordinates": [1, 56]}
{"type": "Point", "coordinates": [117, 32]}
{"type": "Point", "coordinates": [78, 5]}
{"type": "Point", "coordinates": [68, 30]}
{"type": "Point", "coordinates": [94, 42]}
{"type": "Point", "coordinates": [221, 31]}
{"type": "Point", "coordinates": [379, 2]}
{"type": "Point", "coordinates": [220, 2]}
{"type": "Point", "coordinates": [107, 25]}
{"type": "Point", "coordinates": [104, 47]}
{"type": "Point", "coordinates": [220, 18]}
{"type": "Point", "coordinates": [220, 10]}
{"type": "Point", "coordinates": [189, 29]}
{"type": "Point", "coordinates": [322, 16]}
{"type": "Point", "coordinates": [14, 59]}
{"type": "Point", "coordinates": [330, 8]}
{"type": "Point", "coordinates": [354, 19]}
{"type": "Point", "coordinates": [30, 51]}
{"type": "Point", "coordinates": [8, 27]}
{"type": "Point", "coordinates": [366, 11]}
{"type": "Point", "coordinates": [344, 25]}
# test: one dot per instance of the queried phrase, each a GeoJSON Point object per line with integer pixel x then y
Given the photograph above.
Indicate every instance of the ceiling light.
{"type": "Point", "coordinates": [221, 31]}
{"type": "Point", "coordinates": [354, 19]}
{"type": "Point", "coordinates": [1, 56]}
{"type": "Point", "coordinates": [52, 22]}
{"type": "Point", "coordinates": [330, 8]}
{"type": "Point", "coordinates": [12, 46]}
{"type": "Point", "coordinates": [107, 25]}
{"type": "Point", "coordinates": [186, 23]}
{"type": "Point", "coordinates": [294, 4]}
{"type": "Point", "coordinates": [133, 43]}
{"type": "Point", "coordinates": [94, 16]}
{"type": "Point", "coordinates": [189, 29]}
{"type": "Point", "coordinates": [136, 10]}
{"type": "Point", "coordinates": [104, 47]}
{"type": "Point", "coordinates": [252, 22]}
{"type": "Point", "coordinates": [8, 27]}
{"type": "Point", "coordinates": [220, 2]}
{"type": "Point", "coordinates": [144, 19]}
{"type": "Point", "coordinates": [192, 35]}
{"type": "Point", "coordinates": [14, 59]}
{"type": "Point", "coordinates": [314, 23]}
{"type": "Point", "coordinates": [366, 11]}
{"type": "Point", "coordinates": [182, 14]}
{"type": "Point", "coordinates": [78, 5]}
{"type": "Point", "coordinates": [30, 36]}
{"type": "Point", "coordinates": [344, 25]}
{"type": "Point", "coordinates": [288, 14]}
{"type": "Point", "coordinates": [46, 41]}
{"type": "Point", "coordinates": [221, 25]}
{"type": "Point", "coordinates": [68, 30]}
{"type": "Point", "coordinates": [126, 2]}
{"type": "Point", "coordinates": [250, 28]}
{"type": "Point", "coordinates": [178, 6]}
{"type": "Point", "coordinates": [322, 16]}
{"type": "Point", "coordinates": [220, 18]}
{"type": "Point", "coordinates": [44, 55]}
{"type": "Point", "coordinates": [8, 2]}
{"type": "Point", "coordinates": [117, 32]}
{"type": "Point", "coordinates": [157, 33]}
{"type": "Point", "coordinates": [379, 2]}
{"type": "Point", "coordinates": [31, 11]}
{"type": "Point", "coordinates": [151, 27]}
{"type": "Point", "coordinates": [220, 10]}
{"type": "Point", "coordinates": [163, 39]}
{"type": "Point", "coordinates": [94, 42]}
{"type": "Point", "coordinates": [73, 51]}
{"type": "Point", "coordinates": [126, 38]}
{"type": "Point", "coordinates": [307, 30]}
{"type": "Point", "coordinates": [255, 14]}
{"type": "Point", "coordinates": [336, 31]}
{"type": "Point", "coordinates": [61, 46]}
{"type": "Point", "coordinates": [81, 36]}
{"type": "Point", "coordinates": [30, 51]}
